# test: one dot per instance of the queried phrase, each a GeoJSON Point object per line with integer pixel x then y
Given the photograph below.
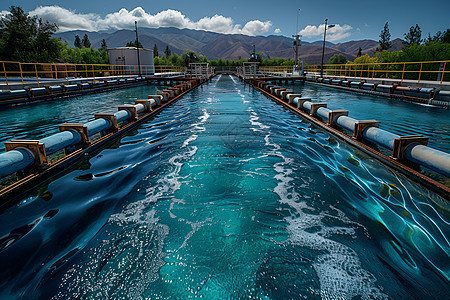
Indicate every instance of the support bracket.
{"type": "Point", "coordinates": [301, 101]}
{"type": "Point", "coordinates": [37, 148]}
{"type": "Point", "coordinates": [292, 96]}
{"type": "Point", "coordinates": [110, 117]}
{"type": "Point", "coordinates": [78, 127]}
{"type": "Point", "coordinates": [146, 103]}
{"type": "Point", "coordinates": [315, 107]}
{"type": "Point", "coordinates": [334, 114]}
{"type": "Point", "coordinates": [403, 142]}
{"type": "Point", "coordinates": [165, 96]}
{"type": "Point", "coordinates": [131, 109]}
{"type": "Point", "coordinates": [360, 126]}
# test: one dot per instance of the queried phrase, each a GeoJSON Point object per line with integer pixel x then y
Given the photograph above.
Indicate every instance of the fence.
{"type": "Point", "coordinates": [40, 73]}
{"type": "Point", "coordinates": [427, 70]}
{"type": "Point", "coordinates": [276, 69]}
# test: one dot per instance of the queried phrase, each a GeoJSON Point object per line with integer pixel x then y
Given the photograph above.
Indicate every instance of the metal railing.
{"type": "Point", "coordinates": [170, 69]}
{"type": "Point", "coordinates": [44, 73]}
{"type": "Point", "coordinates": [274, 69]}
{"type": "Point", "coordinates": [437, 71]}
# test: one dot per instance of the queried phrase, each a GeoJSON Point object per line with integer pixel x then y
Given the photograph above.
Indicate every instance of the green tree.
{"type": "Point", "coordinates": [414, 36]}
{"type": "Point", "coordinates": [337, 59]}
{"type": "Point", "coordinates": [167, 52]}
{"type": "Point", "coordinates": [103, 45]}
{"type": "Point", "coordinates": [385, 38]}
{"type": "Point", "coordinates": [24, 38]}
{"type": "Point", "coordinates": [85, 42]}
{"type": "Point", "coordinates": [439, 37]}
{"type": "Point", "coordinates": [77, 42]}
{"type": "Point", "coordinates": [155, 51]}
{"type": "Point", "coordinates": [359, 52]}
{"type": "Point", "coordinates": [134, 44]}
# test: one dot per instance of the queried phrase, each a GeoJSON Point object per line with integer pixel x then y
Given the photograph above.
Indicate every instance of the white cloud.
{"type": "Point", "coordinates": [256, 27]}
{"type": "Point", "coordinates": [124, 19]}
{"type": "Point", "coordinates": [68, 20]}
{"type": "Point", "coordinates": [278, 30]}
{"type": "Point", "coordinates": [217, 23]}
{"type": "Point", "coordinates": [335, 33]}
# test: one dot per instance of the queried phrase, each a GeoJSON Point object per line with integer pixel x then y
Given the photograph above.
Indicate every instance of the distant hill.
{"type": "Point", "coordinates": [226, 46]}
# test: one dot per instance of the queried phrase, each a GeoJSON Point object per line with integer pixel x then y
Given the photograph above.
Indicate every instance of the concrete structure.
{"type": "Point", "coordinates": [125, 58]}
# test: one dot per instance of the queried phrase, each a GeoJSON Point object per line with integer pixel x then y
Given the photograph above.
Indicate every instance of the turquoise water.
{"type": "Point", "coordinates": [226, 195]}
{"type": "Point", "coordinates": [37, 120]}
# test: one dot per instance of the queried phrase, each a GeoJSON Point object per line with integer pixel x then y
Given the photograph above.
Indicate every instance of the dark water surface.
{"type": "Point", "coordinates": [226, 195]}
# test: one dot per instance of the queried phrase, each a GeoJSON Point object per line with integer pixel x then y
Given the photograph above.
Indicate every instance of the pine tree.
{"type": "Point", "coordinates": [359, 52]}
{"type": "Point", "coordinates": [133, 44]}
{"type": "Point", "coordinates": [85, 42]}
{"type": "Point", "coordinates": [155, 51]}
{"type": "Point", "coordinates": [167, 52]}
{"type": "Point", "coordinates": [414, 36]}
{"type": "Point", "coordinates": [385, 38]}
{"type": "Point", "coordinates": [103, 45]}
{"type": "Point", "coordinates": [77, 42]}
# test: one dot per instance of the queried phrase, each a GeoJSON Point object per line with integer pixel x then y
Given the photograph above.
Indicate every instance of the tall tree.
{"type": "Point", "coordinates": [133, 44]}
{"type": "Point", "coordinates": [103, 45]}
{"type": "Point", "coordinates": [85, 42]}
{"type": "Point", "coordinates": [155, 51]}
{"type": "Point", "coordinates": [24, 38]}
{"type": "Point", "coordinates": [167, 52]}
{"type": "Point", "coordinates": [385, 38]}
{"type": "Point", "coordinates": [337, 59]}
{"type": "Point", "coordinates": [359, 52]}
{"type": "Point", "coordinates": [77, 42]}
{"type": "Point", "coordinates": [414, 36]}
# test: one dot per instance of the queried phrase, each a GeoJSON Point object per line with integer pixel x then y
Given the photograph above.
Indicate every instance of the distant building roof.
{"type": "Point", "coordinates": [128, 48]}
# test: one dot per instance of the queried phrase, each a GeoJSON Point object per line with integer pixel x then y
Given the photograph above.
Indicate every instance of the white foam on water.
{"type": "Point", "coordinates": [136, 212]}
{"type": "Point", "coordinates": [142, 231]}
{"type": "Point", "coordinates": [339, 270]}
{"type": "Point", "coordinates": [253, 120]}
{"type": "Point", "coordinates": [234, 80]}
{"type": "Point", "coordinates": [195, 227]}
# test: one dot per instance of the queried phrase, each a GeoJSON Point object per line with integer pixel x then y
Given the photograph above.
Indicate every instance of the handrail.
{"type": "Point", "coordinates": [45, 73]}
{"type": "Point", "coordinates": [419, 71]}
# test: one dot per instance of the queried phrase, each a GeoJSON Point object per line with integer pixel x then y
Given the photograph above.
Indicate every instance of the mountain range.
{"type": "Point", "coordinates": [226, 46]}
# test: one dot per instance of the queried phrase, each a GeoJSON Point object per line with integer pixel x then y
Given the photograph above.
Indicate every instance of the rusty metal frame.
{"type": "Point", "coordinates": [315, 107]}
{"type": "Point", "coordinates": [403, 142]}
{"type": "Point", "coordinates": [360, 126]}
{"type": "Point", "coordinates": [131, 109]}
{"type": "Point", "coordinates": [78, 127]}
{"type": "Point", "coordinates": [147, 103]}
{"type": "Point", "coordinates": [110, 117]}
{"type": "Point", "coordinates": [336, 113]}
{"type": "Point", "coordinates": [37, 148]}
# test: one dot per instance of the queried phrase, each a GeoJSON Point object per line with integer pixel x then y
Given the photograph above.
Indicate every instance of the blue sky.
{"type": "Point", "coordinates": [355, 20]}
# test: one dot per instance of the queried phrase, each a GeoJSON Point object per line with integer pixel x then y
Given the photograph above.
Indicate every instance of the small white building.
{"type": "Point", "coordinates": [126, 59]}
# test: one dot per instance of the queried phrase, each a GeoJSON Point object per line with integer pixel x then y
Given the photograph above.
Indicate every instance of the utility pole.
{"type": "Point", "coordinates": [137, 47]}
{"type": "Point", "coordinates": [296, 44]}
{"type": "Point", "coordinates": [323, 48]}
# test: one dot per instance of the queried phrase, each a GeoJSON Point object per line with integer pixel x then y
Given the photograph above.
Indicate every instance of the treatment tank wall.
{"type": "Point", "coordinates": [222, 195]}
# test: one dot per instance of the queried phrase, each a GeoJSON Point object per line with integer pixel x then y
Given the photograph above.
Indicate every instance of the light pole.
{"type": "Point", "coordinates": [137, 48]}
{"type": "Point", "coordinates": [323, 48]}
{"type": "Point", "coordinates": [296, 44]}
